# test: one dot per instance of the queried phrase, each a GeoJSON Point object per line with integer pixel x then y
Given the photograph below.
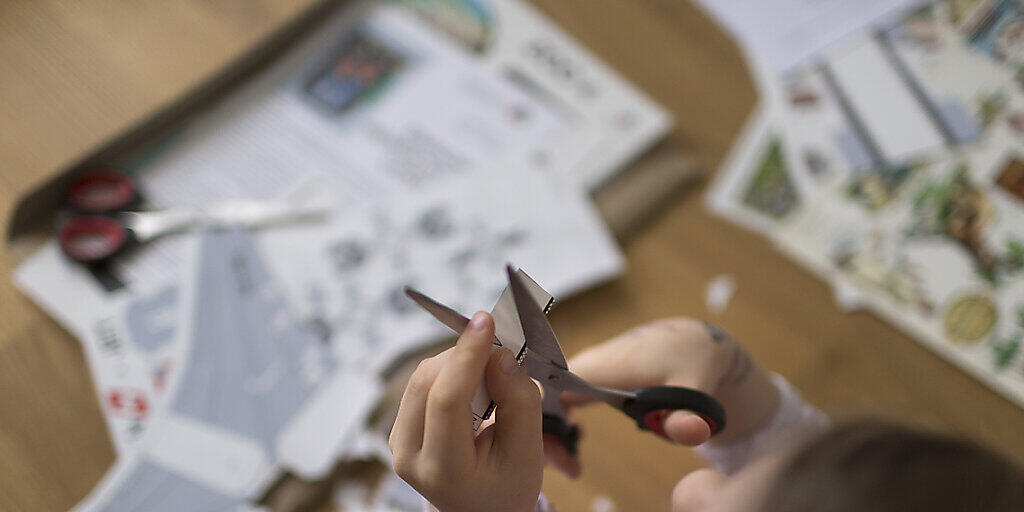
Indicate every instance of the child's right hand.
{"type": "Point", "coordinates": [435, 449]}
{"type": "Point", "coordinates": [679, 352]}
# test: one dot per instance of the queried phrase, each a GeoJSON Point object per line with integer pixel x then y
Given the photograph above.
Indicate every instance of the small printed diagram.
{"type": "Point", "coordinates": [1006, 348]}
{"type": "Point", "coordinates": [877, 187]}
{"type": "Point", "coordinates": [771, 190]}
{"type": "Point", "coordinates": [921, 28]}
{"type": "Point", "coordinates": [994, 28]}
{"type": "Point", "coordinates": [1011, 179]}
{"type": "Point", "coordinates": [969, 318]}
{"type": "Point", "coordinates": [359, 69]}
{"type": "Point", "coordinates": [865, 259]}
{"type": "Point", "coordinates": [151, 319]}
{"type": "Point", "coordinates": [370, 271]}
{"type": "Point", "coordinates": [975, 319]}
{"type": "Point", "coordinates": [954, 209]}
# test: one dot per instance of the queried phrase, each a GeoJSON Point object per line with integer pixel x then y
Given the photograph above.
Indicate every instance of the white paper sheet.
{"type": "Point", "coordinates": [782, 34]}
{"type": "Point", "coordinates": [886, 106]}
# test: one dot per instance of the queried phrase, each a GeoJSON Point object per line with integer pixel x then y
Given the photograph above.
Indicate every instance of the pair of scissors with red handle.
{"type": "Point", "coordinates": [105, 218]}
{"type": "Point", "coordinates": [545, 362]}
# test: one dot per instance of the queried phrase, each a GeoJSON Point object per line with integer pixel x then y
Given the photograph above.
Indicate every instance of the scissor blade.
{"type": "Point", "coordinates": [259, 213]}
{"type": "Point", "coordinates": [540, 338]}
{"type": "Point", "coordinates": [448, 316]}
{"type": "Point", "coordinates": [560, 379]}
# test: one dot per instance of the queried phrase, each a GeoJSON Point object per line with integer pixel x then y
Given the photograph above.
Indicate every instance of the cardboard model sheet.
{"type": "Point", "coordinates": [255, 392]}
{"type": "Point", "coordinates": [910, 202]}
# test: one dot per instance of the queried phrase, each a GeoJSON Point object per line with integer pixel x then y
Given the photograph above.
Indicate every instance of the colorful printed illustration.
{"type": "Point", "coordinates": [990, 106]}
{"type": "Point", "coordinates": [470, 22]}
{"type": "Point", "coordinates": [1012, 178]}
{"type": "Point", "coordinates": [876, 188]}
{"type": "Point", "coordinates": [996, 29]}
{"type": "Point", "coordinates": [968, 319]}
{"type": "Point", "coordinates": [360, 67]}
{"type": "Point", "coordinates": [928, 235]}
{"type": "Point", "coordinates": [961, 10]}
{"type": "Point", "coordinates": [1006, 348]}
{"type": "Point", "coordinates": [920, 27]}
{"type": "Point", "coordinates": [771, 191]}
{"type": "Point", "coordinates": [956, 209]}
{"type": "Point", "coordinates": [900, 281]}
{"type": "Point", "coordinates": [802, 93]}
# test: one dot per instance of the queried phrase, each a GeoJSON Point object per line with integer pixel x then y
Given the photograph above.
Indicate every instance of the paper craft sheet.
{"type": "Point", "coordinates": [958, 289]}
{"type": "Point", "coordinates": [508, 331]}
{"type": "Point", "coordinates": [347, 277]}
{"type": "Point", "coordinates": [611, 120]}
{"type": "Point", "coordinates": [927, 232]}
{"type": "Point", "coordinates": [253, 379]}
{"type": "Point", "coordinates": [132, 342]}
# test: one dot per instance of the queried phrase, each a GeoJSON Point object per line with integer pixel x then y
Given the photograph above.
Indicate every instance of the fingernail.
{"type": "Point", "coordinates": [478, 322]}
{"type": "Point", "coordinates": [507, 362]}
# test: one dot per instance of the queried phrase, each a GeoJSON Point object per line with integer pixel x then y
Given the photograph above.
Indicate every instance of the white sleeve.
{"type": "Point", "coordinates": [794, 419]}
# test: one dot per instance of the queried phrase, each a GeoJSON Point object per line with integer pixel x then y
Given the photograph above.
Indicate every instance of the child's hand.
{"type": "Point", "coordinates": [680, 352]}
{"type": "Point", "coordinates": [432, 441]}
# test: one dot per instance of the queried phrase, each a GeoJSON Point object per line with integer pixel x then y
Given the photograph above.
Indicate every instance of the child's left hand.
{"type": "Point", "coordinates": [433, 443]}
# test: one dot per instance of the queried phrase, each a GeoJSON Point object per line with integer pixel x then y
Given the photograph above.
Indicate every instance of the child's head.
{"type": "Point", "coordinates": [864, 466]}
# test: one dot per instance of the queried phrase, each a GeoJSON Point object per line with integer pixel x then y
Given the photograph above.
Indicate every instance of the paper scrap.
{"type": "Point", "coordinates": [602, 504]}
{"type": "Point", "coordinates": [719, 292]}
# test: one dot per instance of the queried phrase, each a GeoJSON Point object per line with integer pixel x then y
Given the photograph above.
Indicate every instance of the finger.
{"type": "Point", "coordinates": [448, 432]}
{"type": "Point", "coordinates": [518, 415]}
{"type": "Point", "coordinates": [556, 454]}
{"type": "Point", "coordinates": [636, 358]}
{"type": "Point", "coordinates": [614, 364]}
{"type": "Point", "coordinates": [686, 428]}
{"type": "Point", "coordinates": [569, 399]}
{"type": "Point", "coordinates": [699, 490]}
{"type": "Point", "coordinates": [407, 433]}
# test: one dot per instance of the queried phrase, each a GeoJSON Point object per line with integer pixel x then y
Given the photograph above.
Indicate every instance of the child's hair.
{"type": "Point", "coordinates": [881, 467]}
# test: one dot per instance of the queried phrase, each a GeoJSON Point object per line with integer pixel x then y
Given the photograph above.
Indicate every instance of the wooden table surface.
{"type": "Point", "coordinates": [76, 73]}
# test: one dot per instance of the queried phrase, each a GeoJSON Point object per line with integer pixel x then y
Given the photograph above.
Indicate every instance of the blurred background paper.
{"type": "Point", "coordinates": [779, 35]}
{"type": "Point", "coordinates": [888, 166]}
{"type": "Point", "coordinates": [440, 159]}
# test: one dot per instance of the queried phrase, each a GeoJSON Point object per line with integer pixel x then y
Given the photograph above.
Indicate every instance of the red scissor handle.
{"type": "Point", "coordinates": [651, 405]}
{"type": "Point", "coordinates": [91, 238]}
{"type": "Point", "coordinates": [102, 192]}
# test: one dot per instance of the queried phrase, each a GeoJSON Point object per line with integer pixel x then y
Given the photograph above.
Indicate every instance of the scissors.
{"type": "Point", "coordinates": [105, 217]}
{"type": "Point", "coordinates": [545, 362]}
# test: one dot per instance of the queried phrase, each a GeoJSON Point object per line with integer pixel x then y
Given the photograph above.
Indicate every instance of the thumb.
{"type": "Point", "coordinates": [518, 414]}
{"type": "Point", "coordinates": [686, 428]}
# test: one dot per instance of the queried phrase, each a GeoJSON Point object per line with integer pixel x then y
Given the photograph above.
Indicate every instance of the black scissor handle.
{"type": "Point", "coordinates": [650, 406]}
{"type": "Point", "coordinates": [568, 435]}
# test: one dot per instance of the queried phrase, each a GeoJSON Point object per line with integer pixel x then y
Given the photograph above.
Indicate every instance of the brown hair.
{"type": "Point", "coordinates": [881, 467]}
